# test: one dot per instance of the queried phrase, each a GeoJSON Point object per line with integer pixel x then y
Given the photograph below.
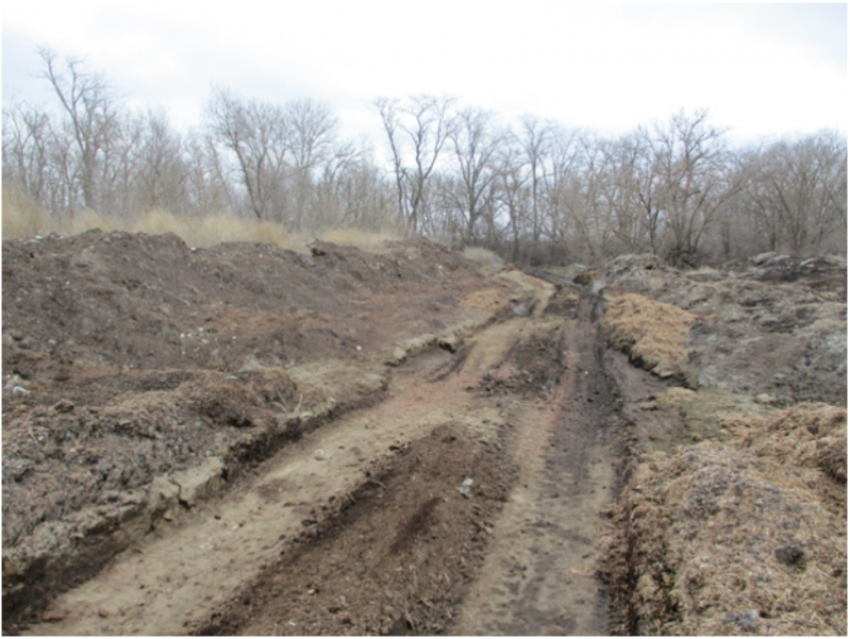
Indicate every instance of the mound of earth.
{"type": "Point", "coordinates": [246, 440]}
{"type": "Point", "coordinates": [732, 519]}
{"type": "Point", "coordinates": [776, 326]}
{"type": "Point", "coordinates": [142, 375]}
{"type": "Point", "coordinates": [745, 538]}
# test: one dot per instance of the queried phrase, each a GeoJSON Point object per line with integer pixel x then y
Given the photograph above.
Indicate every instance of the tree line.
{"type": "Point", "coordinates": [532, 190]}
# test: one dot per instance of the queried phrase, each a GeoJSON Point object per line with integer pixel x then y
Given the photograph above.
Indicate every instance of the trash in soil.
{"type": "Point", "coordinates": [463, 489]}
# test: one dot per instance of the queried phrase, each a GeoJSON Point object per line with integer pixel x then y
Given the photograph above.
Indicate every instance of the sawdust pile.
{"type": "Point", "coordinates": [653, 334]}
{"type": "Point", "coordinates": [744, 538]}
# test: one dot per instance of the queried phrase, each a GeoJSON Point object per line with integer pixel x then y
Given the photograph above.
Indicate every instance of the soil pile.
{"type": "Point", "coordinates": [773, 325]}
{"type": "Point", "coordinates": [745, 532]}
{"type": "Point", "coordinates": [247, 439]}
{"type": "Point", "coordinates": [745, 538]}
{"type": "Point", "coordinates": [141, 374]}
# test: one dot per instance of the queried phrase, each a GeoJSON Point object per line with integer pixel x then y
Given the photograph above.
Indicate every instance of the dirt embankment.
{"type": "Point", "coordinates": [141, 375]}
{"type": "Point", "coordinates": [733, 518]}
{"type": "Point", "coordinates": [244, 440]}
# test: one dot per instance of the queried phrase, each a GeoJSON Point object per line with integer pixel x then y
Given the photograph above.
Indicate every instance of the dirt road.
{"type": "Point", "coordinates": [466, 502]}
{"type": "Point", "coordinates": [539, 575]}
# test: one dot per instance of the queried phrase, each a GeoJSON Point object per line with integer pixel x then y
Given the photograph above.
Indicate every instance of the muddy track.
{"type": "Point", "coordinates": [466, 502]}
{"type": "Point", "coordinates": [539, 576]}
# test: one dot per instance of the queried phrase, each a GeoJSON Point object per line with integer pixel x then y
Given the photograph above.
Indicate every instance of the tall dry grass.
{"type": "Point", "coordinates": [22, 217]}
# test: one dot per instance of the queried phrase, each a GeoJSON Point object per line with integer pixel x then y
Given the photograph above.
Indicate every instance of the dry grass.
{"type": "Point", "coordinates": [745, 538]}
{"type": "Point", "coordinates": [485, 257]}
{"type": "Point", "coordinates": [812, 436]}
{"type": "Point", "coordinates": [24, 218]}
{"type": "Point", "coordinates": [654, 335]}
{"type": "Point", "coordinates": [370, 241]}
{"type": "Point", "coordinates": [216, 229]}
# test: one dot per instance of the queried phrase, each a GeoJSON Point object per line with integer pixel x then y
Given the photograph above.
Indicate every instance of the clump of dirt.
{"type": "Point", "coordinates": [533, 366]}
{"type": "Point", "coordinates": [743, 538]}
{"type": "Point", "coordinates": [654, 335]}
{"type": "Point", "coordinates": [398, 557]}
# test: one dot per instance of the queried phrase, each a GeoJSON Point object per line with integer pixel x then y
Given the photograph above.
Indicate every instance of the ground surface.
{"type": "Point", "coordinates": [245, 440]}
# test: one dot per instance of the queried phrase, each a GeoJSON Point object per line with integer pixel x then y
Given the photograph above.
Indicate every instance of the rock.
{"type": "Point", "coordinates": [64, 406]}
{"type": "Point", "coordinates": [449, 342]}
{"type": "Point", "coordinates": [103, 612]}
{"type": "Point", "coordinates": [762, 258]}
{"type": "Point", "coordinates": [768, 399]}
{"type": "Point", "coordinates": [196, 484]}
{"type": "Point", "coordinates": [162, 494]}
{"type": "Point", "coordinates": [398, 356]}
{"type": "Point", "coordinates": [790, 554]}
{"type": "Point", "coordinates": [53, 615]}
{"type": "Point", "coordinates": [586, 278]}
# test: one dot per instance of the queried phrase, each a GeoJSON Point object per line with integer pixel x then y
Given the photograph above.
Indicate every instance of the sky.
{"type": "Point", "coordinates": [762, 70]}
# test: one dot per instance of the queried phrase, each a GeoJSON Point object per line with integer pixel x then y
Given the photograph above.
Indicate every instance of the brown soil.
{"type": "Point", "coordinates": [245, 440]}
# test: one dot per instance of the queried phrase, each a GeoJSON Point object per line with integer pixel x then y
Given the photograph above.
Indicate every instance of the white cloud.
{"type": "Point", "coordinates": [761, 70]}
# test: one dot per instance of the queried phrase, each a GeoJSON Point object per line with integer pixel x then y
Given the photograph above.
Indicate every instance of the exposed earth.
{"type": "Point", "coordinates": [247, 440]}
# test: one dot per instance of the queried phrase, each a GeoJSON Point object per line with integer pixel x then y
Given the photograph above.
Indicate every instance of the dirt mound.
{"type": "Point", "coordinates": [140, 374]}
{"type": "Point", "coordinates": [745, 538]}
{"type": "Point", "coordinates": [777, 326]}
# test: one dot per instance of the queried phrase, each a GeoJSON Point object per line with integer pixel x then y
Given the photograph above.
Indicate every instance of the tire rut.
{"type": "Point", "coordinates": [539, 574]}
{"type": "Point", "coordinates": [176, 578]}
{"type": "Point", "coordinates": [454, 506]}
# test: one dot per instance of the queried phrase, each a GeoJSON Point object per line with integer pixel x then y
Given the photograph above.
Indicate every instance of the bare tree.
{"type": "Point", "coordinates": [417, 130]}
{"type": "Point", "coordinates": [161, 172]}
{"type": "Point", "coordinates": [806, 189]}
{"type": "Point", "coordinates": [616, 175]}
{"type": "Point", "coordinates": [534, 139]}
{"type": "Point", "coordinates": [475, 145]}
{"type": "Point", "coordinates": [208, 186]}
{"type": "Point", "coordinates": [92, 110]}
{"type": "Point", "coordinates": [690, 180]}
{"type": "Point", "coordinates": [513, 193]}
{"type": "Point", "coordinates": [255, 134]}
{"type": "Point", "coordinates": [311, 128]}
{"type": "Point", "coordinates": [26, 149]}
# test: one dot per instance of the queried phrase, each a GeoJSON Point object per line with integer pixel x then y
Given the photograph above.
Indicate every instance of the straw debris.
{"type": "Point", "coordinates": [743, 538]}
{"type": "Point", "coordinates": [653, 334]}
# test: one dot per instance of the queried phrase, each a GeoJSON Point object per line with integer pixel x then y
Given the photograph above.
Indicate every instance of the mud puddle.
{"type": "Point", "coordinates": [467, 502]}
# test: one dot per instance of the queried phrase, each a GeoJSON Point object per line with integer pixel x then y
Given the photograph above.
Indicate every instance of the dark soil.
{"type": "Point", "coordinates": [246, 440]}
{"type": "Point", "coordinates": [128, 357]}
{"type": "Point", "coordinates": [397, 560]}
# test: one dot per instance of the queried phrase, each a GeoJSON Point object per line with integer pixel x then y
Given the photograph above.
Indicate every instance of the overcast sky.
{"type": "Point", "coordinates": [761, 69]}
